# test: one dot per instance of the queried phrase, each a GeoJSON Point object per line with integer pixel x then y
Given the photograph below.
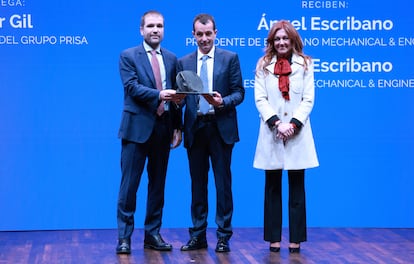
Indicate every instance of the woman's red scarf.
{"type": "Point", "coordinates": [282, 68]}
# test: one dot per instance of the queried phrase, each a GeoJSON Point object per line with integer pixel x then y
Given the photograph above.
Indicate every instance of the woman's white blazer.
{"type": "Point", "coordinates": [299, 151]}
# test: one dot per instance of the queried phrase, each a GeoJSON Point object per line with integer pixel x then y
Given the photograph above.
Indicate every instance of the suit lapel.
{"type": "Point", "coordinates": [216, 68]}
{"type": "Point", "coordinates": [167, 66]}
{"type": "Point", "coordinates": [193, 62]}
{"type": "Point", "coordinates": [192, 66]}
{"type": "Point", "coordinates": [297, 63]}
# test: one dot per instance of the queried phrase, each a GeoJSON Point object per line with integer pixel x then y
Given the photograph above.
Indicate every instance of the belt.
{"type": "Point", "coordinates": [206, 118]}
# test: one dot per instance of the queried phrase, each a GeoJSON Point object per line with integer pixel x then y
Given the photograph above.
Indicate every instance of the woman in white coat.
{"type": "Point", "coordinates": [284, 95]}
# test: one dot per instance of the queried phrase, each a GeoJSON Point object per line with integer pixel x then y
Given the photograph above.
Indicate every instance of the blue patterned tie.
{"type": "Point", "coordinates": [204, 105]}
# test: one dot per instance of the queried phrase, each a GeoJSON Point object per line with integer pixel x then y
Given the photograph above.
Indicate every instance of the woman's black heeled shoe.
{"type": "Point", "coordinates": [274, 249]}
{"type": "Point", "coordinates": [294, 250]}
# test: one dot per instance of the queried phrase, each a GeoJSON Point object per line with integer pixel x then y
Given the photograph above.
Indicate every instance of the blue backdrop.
{"type": "Point", "coordinates": [61, 102]}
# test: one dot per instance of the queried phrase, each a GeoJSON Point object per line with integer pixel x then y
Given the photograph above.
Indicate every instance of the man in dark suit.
{"type": "Point", "coordinates": [150, 126]}
{"type": "Point", "coordinates": [211, 134]}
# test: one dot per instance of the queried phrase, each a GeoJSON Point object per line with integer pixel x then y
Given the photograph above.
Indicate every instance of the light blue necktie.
{"type": "Point", "coordinates": [204, 105]}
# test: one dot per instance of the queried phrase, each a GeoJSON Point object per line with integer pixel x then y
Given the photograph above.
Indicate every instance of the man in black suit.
{"type": "Point", "coordinates": [211, 134]}
{"type": "Point", "coordinates": [150, 126]}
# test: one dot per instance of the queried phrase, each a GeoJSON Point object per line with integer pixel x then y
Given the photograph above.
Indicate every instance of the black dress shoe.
{"type": "Point", "coordinates": [156, 242]}
{"type": "Point", "coordinates": [294, 250]}
{"type": "Point", "coordinates": [222, 245]}
{"type": "Point", "coordinates": [195, 243]}
{"type": "Point", "coordinates": [274, 249]}
{"type": "Point", "coordinates": [124, 246]}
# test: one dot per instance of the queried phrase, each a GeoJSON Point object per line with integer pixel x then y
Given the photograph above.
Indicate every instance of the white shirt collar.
{"type": "Point", "coordinates": [148, 48]}
{"type": "Point", "coordinates": [210, 54]}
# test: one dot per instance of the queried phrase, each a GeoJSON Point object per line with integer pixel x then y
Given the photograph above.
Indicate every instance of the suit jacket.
{"type": "Point", "coordinates": [227, 80]}
{"type": "Point", "coordinates": [299, 151]}
{"type": "Point", "coordinates": [141, 97]}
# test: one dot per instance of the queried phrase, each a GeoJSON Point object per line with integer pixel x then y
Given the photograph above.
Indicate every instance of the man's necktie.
{"type": "Point", "coordinates": [204, 105]}
{"type": "Point", "coordinates": [157, 74]}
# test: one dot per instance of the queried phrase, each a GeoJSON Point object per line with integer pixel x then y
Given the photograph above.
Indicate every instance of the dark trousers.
{"type": "Point", "coordinates": [133, 158]}
{"type": "Point", "coordinates": [273, 206]}
{"type": "Point", "coordinates": [209, 145]}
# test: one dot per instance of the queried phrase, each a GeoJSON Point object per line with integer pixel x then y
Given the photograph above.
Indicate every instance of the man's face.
{"type": "Point", "coordinates": [205, 36]}
{"type": "Point", "coordinates": [153, 30]}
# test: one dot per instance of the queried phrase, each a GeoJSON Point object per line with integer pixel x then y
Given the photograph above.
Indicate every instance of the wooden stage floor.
{"type": "Point", "coordinates": [324, 245]}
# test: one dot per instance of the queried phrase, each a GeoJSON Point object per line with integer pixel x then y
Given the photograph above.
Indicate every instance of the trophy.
{"type": "Point", "coordinates": [189, 82]}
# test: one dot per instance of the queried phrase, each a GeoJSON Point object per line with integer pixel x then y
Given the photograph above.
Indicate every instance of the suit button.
{"type": "Point", "coordinates": [285, 113]}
